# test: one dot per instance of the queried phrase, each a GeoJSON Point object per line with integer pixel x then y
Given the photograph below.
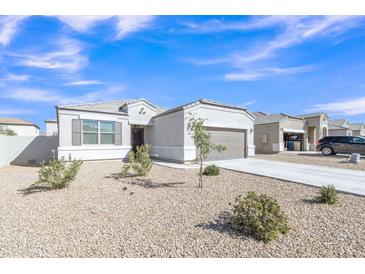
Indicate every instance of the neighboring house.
{"type": "Point", "coordinates": [19, 126]}
{"type": "Point", "coordinates": [279, 132]}
{"type": "Point", "coordinates": [339, 128]}
{"type": "Point", "coordinates": [51, 127]}
{"type": "Point", "coordinates": [317, 127]}
{"type": "Point", "coordinates": [109, 130]}
{"type": "Point", "coordinates": [358, 129]}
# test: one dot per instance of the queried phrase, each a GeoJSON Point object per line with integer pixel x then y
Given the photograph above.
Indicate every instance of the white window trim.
{"type": "Point", "coordinates": [98, 133]}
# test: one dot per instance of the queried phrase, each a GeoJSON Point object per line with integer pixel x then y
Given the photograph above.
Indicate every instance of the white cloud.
{"type": "Point", "coordinates": [32, 95]}
{"type": "Point", "coordinates": [350, 107]}
{"type": "Point", "coordinates": [257, 22]}
{"type": "Point", "coordinates": [84, 83]}
{"type": "Point", "coordinates": [15, 111]}
{"type": "Point", "coordinates": [67, 58]}
{"type": "Point", "coordinates": [82, 23]}
{"type": "Point", "coordinates": [124, 25]}
{"type": "Point", "coordinates": [129, 24]}
{"type": "Point", "coordinates": [248, 103]}
{"type": "Point", "coordinates": [52, 96]}
{"type": "Point", "coordinates": [15, 77]}
{"type": "Point", "coordinates": [292, 30]}
{"type": "Point", "coordinates": [258, 74]}
{"type": "Point", "coordinates": [9, 26]}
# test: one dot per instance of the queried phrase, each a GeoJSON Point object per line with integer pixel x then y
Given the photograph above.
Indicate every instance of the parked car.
{"type": "Point", "coordinates": [331, 145]}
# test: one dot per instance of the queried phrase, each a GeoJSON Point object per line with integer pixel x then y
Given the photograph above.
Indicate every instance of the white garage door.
{"type": "Point", "coordinates": [233, 139]}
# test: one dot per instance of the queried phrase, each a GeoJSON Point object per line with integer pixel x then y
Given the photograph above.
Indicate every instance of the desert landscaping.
{"type": "Point", "coordinates": [164, 214]}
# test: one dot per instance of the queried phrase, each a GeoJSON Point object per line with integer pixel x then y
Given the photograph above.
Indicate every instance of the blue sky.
{"type": "Point", "coordinates": [290, 64]}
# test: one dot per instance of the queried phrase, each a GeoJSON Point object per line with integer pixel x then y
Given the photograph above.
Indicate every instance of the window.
{"type": "Point", "coordinates": [90, 132]}
{"type": "Point", "coordinates": [357, 140]}
{"type": "Point", "coordinates": [106, 132]}
{"type": "Point", "coordinates": [97, 132]}
{"type": "Point", "coordinates": [341, 139]}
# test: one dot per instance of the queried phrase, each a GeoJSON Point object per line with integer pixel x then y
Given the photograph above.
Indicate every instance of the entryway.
{"type": "Point", "coordinates": [137, 137]}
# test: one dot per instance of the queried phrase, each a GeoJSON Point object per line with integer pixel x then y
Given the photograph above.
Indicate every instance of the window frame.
{"type": "Point", "coordinates": [98, 132]}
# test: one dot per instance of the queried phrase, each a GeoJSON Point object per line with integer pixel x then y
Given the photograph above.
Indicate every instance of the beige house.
{"type": "Point", "coordinates": [19, 126]}
{"type": "Point", "coordinates": [339, 128]}
{"type": "Point", "coordinates": [317, 127]}
{"type": "Point", "coordinates": [279, 132]}
{"type": "Point", "coordinates": [358, 129]}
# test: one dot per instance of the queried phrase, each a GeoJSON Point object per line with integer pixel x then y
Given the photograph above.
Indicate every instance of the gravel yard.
{"type": "Point", "coordinates": [165, 215]}
{"type": "Point", "coordinates": [313, 159]}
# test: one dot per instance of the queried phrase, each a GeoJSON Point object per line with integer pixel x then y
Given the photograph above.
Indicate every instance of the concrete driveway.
{"type": "Point", "coordinates": [345, 180]}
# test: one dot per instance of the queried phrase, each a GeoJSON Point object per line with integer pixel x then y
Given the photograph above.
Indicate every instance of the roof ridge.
{"type": "Point", "coordinates": [96, 103]}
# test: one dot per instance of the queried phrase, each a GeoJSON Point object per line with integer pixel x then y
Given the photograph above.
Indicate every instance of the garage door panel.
{"type": "Point", "coordinates": [233, 139]}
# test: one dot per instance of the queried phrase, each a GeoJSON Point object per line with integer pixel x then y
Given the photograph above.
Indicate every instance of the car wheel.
{"type": "Point", "coordinates": [327, 151]}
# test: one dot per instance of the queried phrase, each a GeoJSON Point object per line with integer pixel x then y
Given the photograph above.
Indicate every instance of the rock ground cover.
{"type": "Point", "coordinates": [165, 215]}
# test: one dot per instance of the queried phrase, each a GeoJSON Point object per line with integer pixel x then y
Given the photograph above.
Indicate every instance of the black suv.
{"type": "Point", "coordinates": [331, 145]}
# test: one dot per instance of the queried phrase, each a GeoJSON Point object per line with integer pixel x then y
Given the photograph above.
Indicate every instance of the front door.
{"type": "Point", "coordinates": [137, 137]}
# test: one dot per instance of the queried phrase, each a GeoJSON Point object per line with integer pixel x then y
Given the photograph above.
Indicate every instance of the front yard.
{"type": "Point", "coordinates": [338, 161]}
{"type": "Point", "coordinates": [165, 215]}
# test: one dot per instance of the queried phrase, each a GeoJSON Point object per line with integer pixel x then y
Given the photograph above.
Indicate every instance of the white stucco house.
{"type": "Point", "coordinates": [19, 126]}
{"type": "Point", "coordinates": [51, 127]}
{"type": "Point", "coordinates": [109, 130]}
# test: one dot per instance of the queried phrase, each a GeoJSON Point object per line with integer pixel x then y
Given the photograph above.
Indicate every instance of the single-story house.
{"type": "Point", "coordinates": [279, 132]}
{"type": "Point", "coordinates": [358, 129]}
{"type": "Point", "coordinates": [19, 126]}
{"type": "Point", "coordinates": [339, 128]}
{"type": "Point", "coordinates": [51, 127]}
{"type": "Point", "coordinates": [317, 127]}
{"type": "Point", "coordinates": [109, 130]}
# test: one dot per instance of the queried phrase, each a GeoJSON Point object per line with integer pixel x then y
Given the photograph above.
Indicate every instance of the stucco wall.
{"type": "Point", "coordinates": [91, 152]}
{"type": "Point", "coordinates": [339, 132]}
{"type": "Point", "coordinates": [216, 116]}
{"type": "Point", "coordinates": [167, 136]}
{"type": "Point", "coordinates": [319, 123]}
{"type": "Point", "coordinates": [51, 129]}
{"type": "Point", "coordinates": [272, 133]}
{"type": "Point", "coordinates": [24, 130]}
{"type": "Point", "coordinates": [18, 150]}
{"type": "Point", "coordinates": [140, 113]}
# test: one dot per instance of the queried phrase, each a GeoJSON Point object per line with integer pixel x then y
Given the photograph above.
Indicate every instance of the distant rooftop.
{"type": "Point", "coordinates": [274, 118]}
{"type": "Point", "coordinates": [15, 121]}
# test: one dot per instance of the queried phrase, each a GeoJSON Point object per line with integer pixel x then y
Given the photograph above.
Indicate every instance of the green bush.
{"type": "Point", "coordinates": [8, 132]}
{"type": "Point", "coordinates": [327, 195]}
{"type": "Point", "coordinates": [211, 170]}
{"type": "Point", "coordinates": [259, 216]}
{"type": "Point", "coordinates": [139, 161]}
{"type": "Point", "coordinates": [58, 174]}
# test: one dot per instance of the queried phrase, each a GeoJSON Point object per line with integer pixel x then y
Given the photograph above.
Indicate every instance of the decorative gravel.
{"type": "Point", "coordinates": [165, 215]}
{"type": "Point", "coordinates": [313, 159]}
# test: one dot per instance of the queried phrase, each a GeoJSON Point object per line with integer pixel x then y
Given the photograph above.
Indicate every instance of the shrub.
{"type": "Point", "coordinates": [327, 195]}
{"type": "Point", "coordinates": [58, 174]}
{"type": "Point", "coordinates": [8, 132]}
{"type": "Point", "coordinates": [211, 170]}
{"type": "Point", "coordinates": [139, 161]}
{"type": "Point", "coordinates": [259, 216]}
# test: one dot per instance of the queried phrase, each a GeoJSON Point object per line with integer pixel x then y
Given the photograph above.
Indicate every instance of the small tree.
{"type": "Point", "coordinates": [202, 143]}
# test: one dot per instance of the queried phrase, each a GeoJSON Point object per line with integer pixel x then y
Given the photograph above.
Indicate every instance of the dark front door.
{"type": "Point", "coordinates": [137, 137]}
